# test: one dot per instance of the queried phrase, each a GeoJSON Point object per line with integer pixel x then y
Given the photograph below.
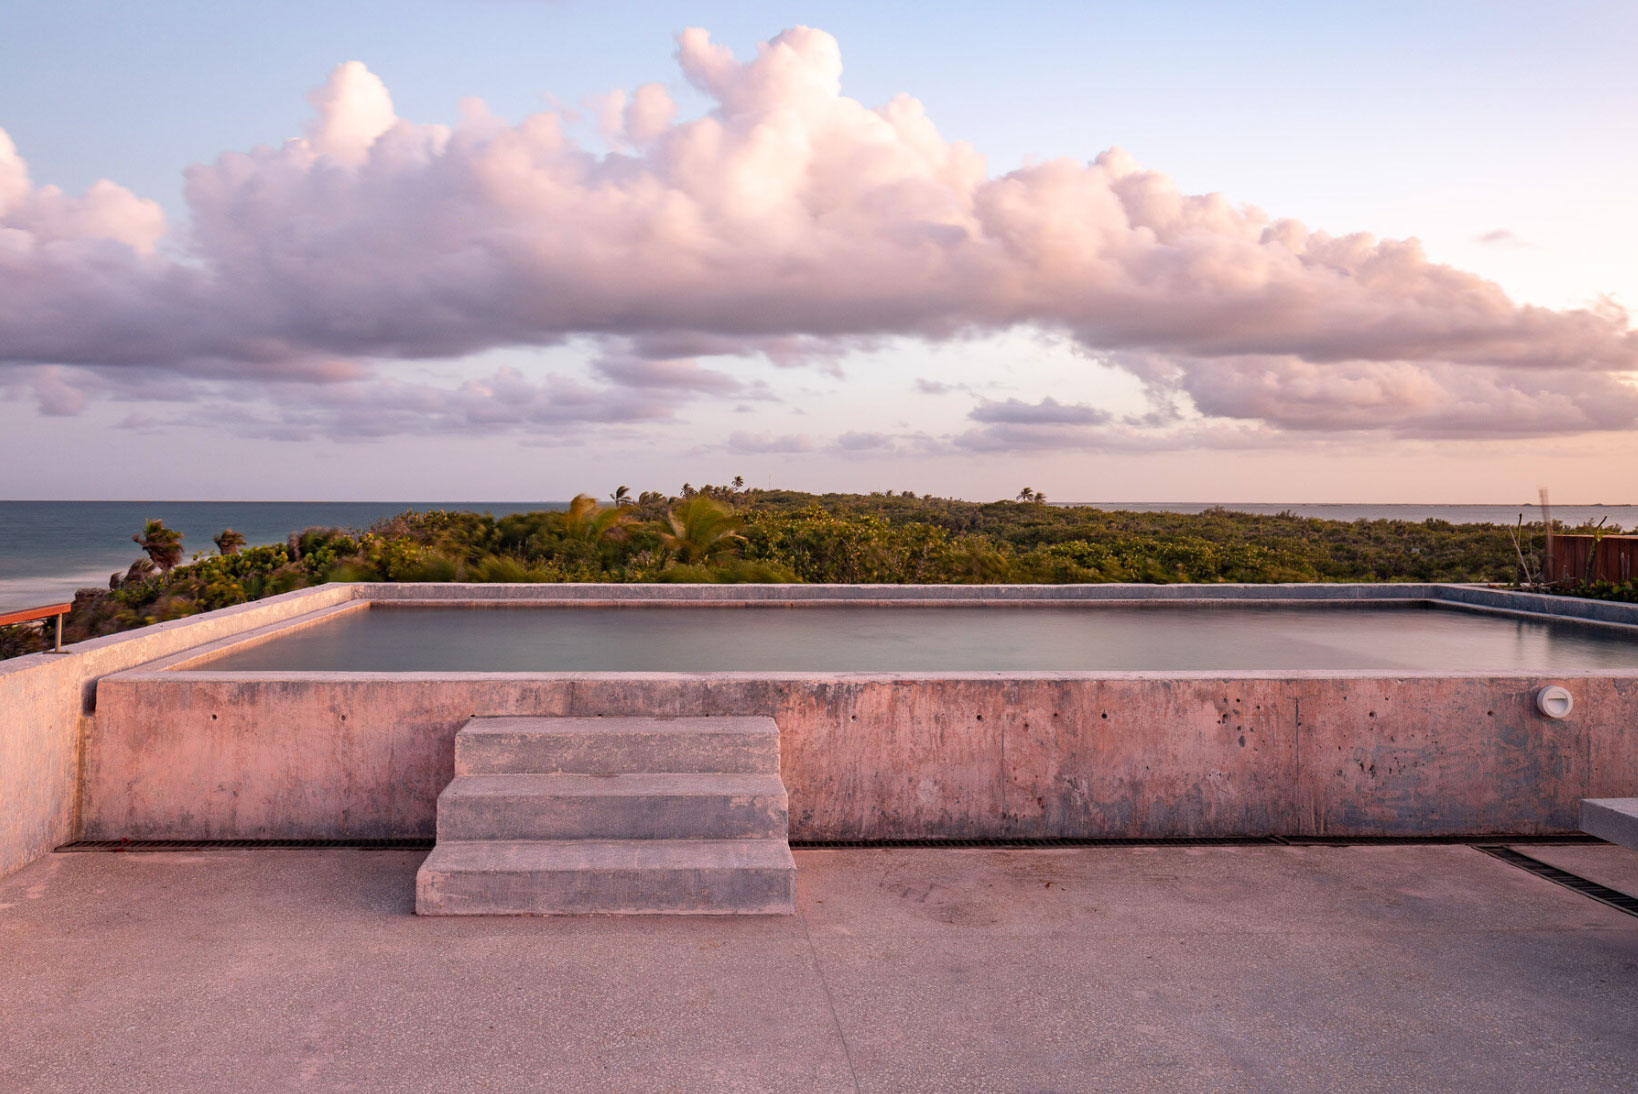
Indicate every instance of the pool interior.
{"type": "Point", "coordinates": [839, 637]}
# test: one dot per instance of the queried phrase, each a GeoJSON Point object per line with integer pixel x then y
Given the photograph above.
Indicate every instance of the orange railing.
{"type": "Point", "coordinates": [29, 615]}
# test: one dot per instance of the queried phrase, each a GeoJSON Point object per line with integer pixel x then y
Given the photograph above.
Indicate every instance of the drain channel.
{"type": "Point", "coordinates": [1616, 899]}
{"type": "Point", "coordinates": [1025, 842]}
{"type": "Point", "coordinates": [994, 843]}
{"type": "Point", "coordinates": [136, 845]}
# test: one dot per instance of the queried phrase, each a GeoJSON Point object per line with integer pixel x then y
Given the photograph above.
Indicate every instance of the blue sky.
{"type": "Point", "coordinates": [1498, 134]}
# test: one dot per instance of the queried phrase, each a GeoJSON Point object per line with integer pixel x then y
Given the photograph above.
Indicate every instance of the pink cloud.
{"type": "Point", "coordinates": [788, 217]}
{"type": "Point", "coordinates": [679, 375]}
{"type": "Point", "coordinates": [1048, 411]}
{"type": "Point", "coordinates": [769, 443]}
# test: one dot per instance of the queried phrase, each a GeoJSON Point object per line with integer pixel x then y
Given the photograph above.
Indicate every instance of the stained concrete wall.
{"type": "Point", "coordinates": [328, 755]}
{"type": "Point", "coordinates": [1027, 754]}
{"type": "Point", "coordinates": [46, 700]}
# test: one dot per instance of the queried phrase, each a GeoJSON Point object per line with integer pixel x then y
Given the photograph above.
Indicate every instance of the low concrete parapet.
{"type": "Point", "coordinates": [872, 756]}
{"type": "Point", "coordinates": [102, 742]}
{"type": "Point", "coordinates": [47, 701]}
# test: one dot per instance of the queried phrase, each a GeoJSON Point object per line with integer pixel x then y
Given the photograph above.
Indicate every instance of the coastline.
{"type": "Point", "coordinates": [49, 549]}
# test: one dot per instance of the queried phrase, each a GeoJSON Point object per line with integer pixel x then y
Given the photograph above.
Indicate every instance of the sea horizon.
{"type": "Point", "coordinates": [51, 548]}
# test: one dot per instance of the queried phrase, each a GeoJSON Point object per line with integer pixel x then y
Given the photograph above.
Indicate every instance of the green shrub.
{"type": "Point", "coordinates": [785, 536]}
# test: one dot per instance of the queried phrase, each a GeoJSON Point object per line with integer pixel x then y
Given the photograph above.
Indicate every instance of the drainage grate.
{"type": "Point", "coordinates": [1023, 842]}
{"type": "Point", "coordinates": [256, 844]}
{"type": "Point", "coordinates": [996, 843]}
{"type": "Point", "coordinates": [1002, 843]}
{"type": "Point", "coordinates": [1435, 841]}
{"type": "Point", "coordinates": [1616, 899]}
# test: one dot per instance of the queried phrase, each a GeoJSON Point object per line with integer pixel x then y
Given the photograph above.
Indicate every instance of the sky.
{"type": "Point", "coordinates": [504, 249]}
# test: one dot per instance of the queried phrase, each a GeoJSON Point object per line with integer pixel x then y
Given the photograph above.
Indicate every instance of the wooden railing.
{"type": "Point", "coordinates": [46, 611]}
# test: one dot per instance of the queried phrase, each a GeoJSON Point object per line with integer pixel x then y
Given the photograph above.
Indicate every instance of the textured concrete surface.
{"type": "Point", "coordinates": [667, 806]}
{"type": "Point", "coordinates": [46, 702]}
{"type": "Point", "coordinates": [1613, 819]}
{"type": "Point", "coordinates": [1606, 863]}
{"type": "Point", "coordinates": [1228, 968]}
{"type": "Point", "coordinates": [570, 816]}
{"type": "Point", "coordinates": [613, 877]}
{"type": "Point", "coordinates": [613, 746]}
{"type": "Point", "coordinates": [212, 756]}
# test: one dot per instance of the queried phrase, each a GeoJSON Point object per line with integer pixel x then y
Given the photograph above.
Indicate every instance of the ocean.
{"type": "Point", "coordinates": [50, 548]}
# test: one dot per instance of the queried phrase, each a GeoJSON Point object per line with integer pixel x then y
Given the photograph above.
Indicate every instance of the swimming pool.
{"type": "Point", "coordinates": [840, 637]}
{"type": "Point", "coordinates": [904, 712]}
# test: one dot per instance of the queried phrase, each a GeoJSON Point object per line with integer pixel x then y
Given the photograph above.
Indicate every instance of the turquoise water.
{"type": "Point", "coordinates": [1153, 637]}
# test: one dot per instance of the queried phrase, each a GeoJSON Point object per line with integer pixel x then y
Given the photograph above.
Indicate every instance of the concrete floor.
{"type": "Point", "coordinates": [1239, 968]}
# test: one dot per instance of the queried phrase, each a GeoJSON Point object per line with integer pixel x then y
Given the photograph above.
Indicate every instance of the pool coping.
{"type": "Point", "coordinates": [366, 595]}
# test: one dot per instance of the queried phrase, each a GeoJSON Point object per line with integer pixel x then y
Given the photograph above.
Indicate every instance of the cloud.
{"type": "Point", "coordinates": [1500, 237]}
{"type": "Point", "coordinates": [770, 443]}
{"type": "Point", "coordinates": [505, 400]}
{"type": "Point", "coordinates": [795, 351]}
{"type": "Point", "coordinates": [1400, 398]}
{"type": "Point", "coordinates": [787, 219]}
{"type": "Point", "coordinates": [54, 395]}
{"type": "Point", "coordinates": [678, 375]}
{"type": "Point", "coordinates": [1048, 411]}
{"type": "Point", "coordinates": [1124, 436]}
{"type": "Point", "coordinates": [863, 442]}
{"type": "Point", "coordinates": [1240, 401]}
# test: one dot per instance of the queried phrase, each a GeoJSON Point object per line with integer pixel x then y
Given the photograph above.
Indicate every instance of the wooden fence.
{"type": "Point", "coordinates": [1616, 560]}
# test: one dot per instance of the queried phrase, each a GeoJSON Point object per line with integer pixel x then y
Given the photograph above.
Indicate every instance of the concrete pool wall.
{"type": "Point", "coordinates": [878, 756]}
{"type": "Point", "coordinates": [47, 703]}
{"type": "Point", "coordinates": [162, 754]}
{"type": "Point", "coordinates": [206, 755]}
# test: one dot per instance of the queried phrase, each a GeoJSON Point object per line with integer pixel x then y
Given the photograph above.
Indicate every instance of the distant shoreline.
{"type": "Point", "coordinates": [1240, 506]}
{"type": "Point", "coordinates": [50, 548]}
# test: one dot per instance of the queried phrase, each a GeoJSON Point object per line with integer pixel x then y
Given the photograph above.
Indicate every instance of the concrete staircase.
{"type": "Point", "coordinates": [566, 816]}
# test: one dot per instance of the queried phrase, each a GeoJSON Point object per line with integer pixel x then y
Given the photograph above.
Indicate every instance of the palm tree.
{"type": "Point", "coordinates": [592, 523]}
{"type": "Point", "coordinates": [701, 529]}
{"type": "Point", "coordinates": [621, 496]}
{"type": "Point", "coordinates": [229, 542]}
{"type": "Point", "coordinates": [162, 544]}
{"type": "Point", "coordinates": [739, 482]}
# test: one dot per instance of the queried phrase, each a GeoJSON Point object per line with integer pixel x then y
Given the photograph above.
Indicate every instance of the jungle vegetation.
{"type": "Point", "coordinates": [732, 534]}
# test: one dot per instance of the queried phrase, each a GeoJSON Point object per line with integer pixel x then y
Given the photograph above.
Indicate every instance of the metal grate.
{"type": "Point", "coordinates": [1401, 841]}
{"type": "Point", "coordinates": [252, 844]}
{"type": "Point", "coordinates": [1026, 843]}
{"type": "Point", "coordinates": [997, 842]}
{"type": "Point", "coordinates": [1602, 893]}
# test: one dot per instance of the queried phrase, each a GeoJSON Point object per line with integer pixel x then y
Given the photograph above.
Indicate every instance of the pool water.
{"type": "Point", "coordinates": [854, 638]}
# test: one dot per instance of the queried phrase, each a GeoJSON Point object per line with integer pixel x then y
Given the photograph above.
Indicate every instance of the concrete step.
{"type": "Point", "coordinates": [616, 746]}
{"type": "Point", "coordinates": [646, 806]}
{"type": "Point", "coordinates": [615, 877]}
{"type": "Point", "coordinates": [1613, 819]}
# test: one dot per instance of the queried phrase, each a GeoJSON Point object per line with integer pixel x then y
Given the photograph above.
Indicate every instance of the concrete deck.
{"type": "Point", "coordinates": [1234, 967]}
